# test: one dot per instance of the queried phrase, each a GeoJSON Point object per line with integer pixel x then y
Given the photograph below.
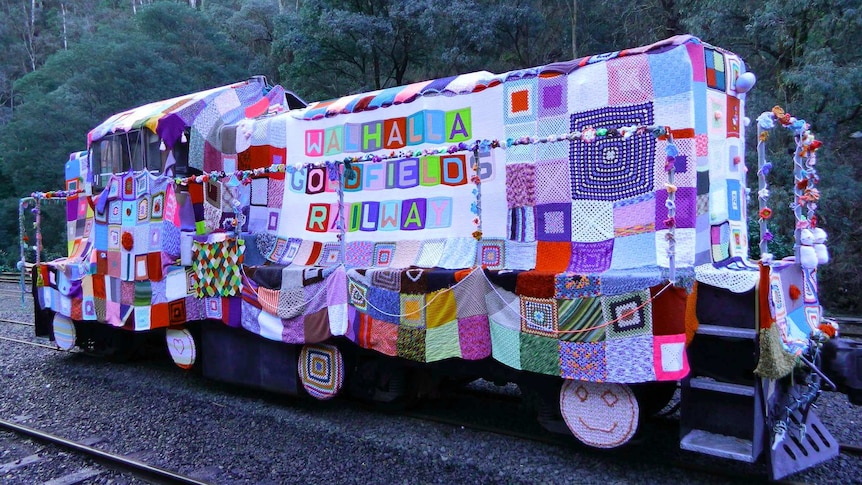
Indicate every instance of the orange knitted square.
{"type": "Point", "coordinates": [553, 256]}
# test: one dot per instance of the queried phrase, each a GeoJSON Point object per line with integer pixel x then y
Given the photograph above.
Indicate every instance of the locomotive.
{"type": "Point", "coordinates": [579, 229]}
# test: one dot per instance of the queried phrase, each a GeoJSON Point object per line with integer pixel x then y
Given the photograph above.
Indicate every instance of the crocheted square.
{"type": "Point", "coordinates": [521, 224]}
{"type": "Point", "coordinates": [406, 253]}
{"type": "Point", "coordinates": [592, 220]}
{"type": "Point", "coordinates": [630, 359]}
{"type": "Point", "coordinates": [551, 177]}
{"type": "Point", "coordinates": [459, 252]}
{"type": "Point", "coordinates": [581, 320]}
{"type": "Point", "coordinates": [554, 222]}
{"type": "Point", "coordinates": [474, 337]}
{"type": "Point", "coordinates": [414, 281]}
{"type": "Point", "coordinates": [716, 126]}
{"type": "Point", "coordinates": [430, 253]}
{"type": "Point", "coordinates": [552, 93]}
{"type": "Point", "coordinates": [384, 305]}
{"type": "Point", "coordinates": [588, 87]}
{"type": "Point", "coordinates": [628, 315]}
{"type": "Point", "coordinates": [568, 286]}
{"type": "Point", "coordinates": [591, 258]}
{"type": "Point", "coordinates": [521, 184]}
{"type": "Point", "coordinates": [410, 343]}
{"type": "Point", "coordinates": [470, 295]}
{"type": "Point", "coordinates": [539, 316]}
{"type": "Point", "coordinates": [738, 239]}
{"type": "Point", "coordinates": [194, 309]}
{"type": "Point", "coordinates": [330, 254]}
{"type": "Point", "coordinates": [213, 308]}
{"type": "Point", "coordinates": [358, 254]}
{"type": "Point", "coordinates": [384, 337]}
{"type": "Point", "coordinates": [505, 345]}
{"type": "Point", "coordinates": [715, 71]}
{"type": "Point", "coordinates": [440, 308]}
{"type": "Point", "coordinates": [383, 253]}
{"type": "Point", "coordinates": [520, 255]}
{"type": "Point", "coordinates": [546, 128]}
{"type": "Point", "coordinates": [553, 256]}
{"type": "Point", "coordinates": [670, 72]}
{"type": "Point", "coordinates": [686, 200]}
{"type": "Point", "coordinates": [177, 312]}
{"type": "Point", "coordinates": [519, 101]}
{"type": "Point", "coordinates": [669, 359]}
{"type": "Point", "coordinates": [613, 168]}
{"type": "Point", "coordinates": [584, 361]}
{"type": "Point", "coordinates": [504, 308]}
{"type": "Point", "coordinates": [412, 310]}
{"type": "Point", "coordinates": [634, 251]}
{"type": "Point", "coordinates": [441, 342]}
{"type": "Point", "coordinates": [388, 279]}
{"type": "Point", "coordinates": [685, 244]}
{"type": "Point", "coordinates": [703, 206]}
{"type": "Point", "coordinates": [630, 81]}
{"type": "Point", "coordinates": [735, 200]}
{"type": "Point", "coordinates": [521, 153]}
{"type": "Point", "coordinates": [357, 295]}
{"type": "Point", "coordinates": [537, 284]}
{"type": "Point", "coordinates": [291, 302]}
{"type": "Point", "coordinates": [302, 252]}
{"type": "Point", "coordinates": [540, 354]}
{"type": "Point", "coordinates": [492, 253]}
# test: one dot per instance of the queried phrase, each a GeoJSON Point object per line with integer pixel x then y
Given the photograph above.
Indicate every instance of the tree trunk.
{"type": "Point", "coordinates": [65, 38]}
{"type": "Point", "coordinates": [574, 29]}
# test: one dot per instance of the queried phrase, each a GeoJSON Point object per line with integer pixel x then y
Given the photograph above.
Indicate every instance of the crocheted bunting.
{"type": "Point", "coordinates": [594, 257]}
{"type": "Point", "coordinates": [549, 174]}
{"type": "Point", "coordinates": [430, 253]}
{"type": "Point", "coordinates": [539, 316]}
{"type": "Point", "coordinates": [568, 286]}
{"type": "Point", "coordinates": [384, 305]}
{"type": "Point", "coordinates": [540, 354]}
{"type": "Point", "coordinates": [358, 254]}
{"type": "Point", "coordinates": [581, 320]}
{"type": "Point", "coordinates": [506, 345]}
{"type": "Point", "coordinates": [612, 168]}
{"type": "Point", "coordinates": [521, 224]}
{"type": "Point", "coordinates": [520, 255]}
{"type": "Point", "coordinates": [217, 267]}
{"type": "Point", "coordinates": [630, 359]}
{"type": "Point", "coordinates": [521, 184]}
{"type": "Point", "coordinates": [592, 220]}
{"type": "Point", "coordinates": [547, 127]}
{"type": "Point", "coordinates": [554, 222]}
{"type": "Point", "coordinates": [670, 72]}
{"type": "Point", "coordinates": [553, 256]}
{"type": "Point", "coordinates": [406, 253]}
{"type": "Point", "coordinates": [474, 336]}
{"type": "Point", "coordinates": [411, 343]}
{"type": "Point", "coordinates": [552, 93]}
{"type": "Point", "coordinates": [536, 284]}
{"type": "Point", "coordinates": [321, 370]}
{"type": "Point", "coordinates": [584, 361]}
{"type": "Point", "coordinates": [440, 308]}
{"type": "Point", "coordinates": [630, 313]}
{"type": "Point", "coordinates": [442, 342]}
{"type": "Point", "coordinates": [630, 81]}
{"type": "Point", "coordinates": [412, 310]}
{"type": "Point", "coordinates": [459, 252]}
{"type": "Point", "coordinates": [669, 359]}
{"type": "Point", "coordinates": [504, 308]}
{"type": "Point", "coordinates": [686, 207]}
{"type": "Point", "coordinates": [470, 295]}
{"type": "Point", "coordinates": [388, 279]}
{"type": "Point", "coordinates": [634, 251]}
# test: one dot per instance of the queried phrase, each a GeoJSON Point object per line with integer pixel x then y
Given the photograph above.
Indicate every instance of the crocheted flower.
{"type": "Point", "coordinates": [128, 241]}
{"type": "Point", "coordinates": [588, 135]}
{"type": "Point", "coordinates": [765, 213]}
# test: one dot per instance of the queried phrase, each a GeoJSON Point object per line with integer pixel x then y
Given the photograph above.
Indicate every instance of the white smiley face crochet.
{"type": "Point", "coordinates": [599, 414]}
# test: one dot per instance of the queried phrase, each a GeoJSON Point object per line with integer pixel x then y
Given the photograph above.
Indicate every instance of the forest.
{"type": "Point", "coordinates": [66, 65]}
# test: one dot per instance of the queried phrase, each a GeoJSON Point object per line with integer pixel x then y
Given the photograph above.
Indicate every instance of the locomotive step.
{"type": "Point", "coordinates": [731, 332]}
{"type": "Point", "coordinates": [722, 387]}
{"type": "Point", "coordinates": [714, 444]}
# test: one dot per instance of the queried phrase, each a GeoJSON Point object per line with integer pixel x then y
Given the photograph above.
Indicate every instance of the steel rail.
{"type": "Point", "coordinates": [17, 322]}
{"type": "Point", "coordinates": [122, 462]}
{"type": "Point", "coordinates": [34, 344]}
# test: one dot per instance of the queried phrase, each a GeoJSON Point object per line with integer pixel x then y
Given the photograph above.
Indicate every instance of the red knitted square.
{"type": "Point", "coordinates": [668, 310]}
{"type": "Point", "coordinates": [538, 284]}
{"type": "Point", "coordinates": [553, 256]}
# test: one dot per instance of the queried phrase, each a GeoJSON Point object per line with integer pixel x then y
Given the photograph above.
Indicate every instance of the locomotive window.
{"type": "Point", "coordinates": [115, 154]}
{"type": "Point", "coordinates": [155, 156]}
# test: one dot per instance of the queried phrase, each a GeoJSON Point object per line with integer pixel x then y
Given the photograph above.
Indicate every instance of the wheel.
{"type": "Point", "coordinates": [600, 415]}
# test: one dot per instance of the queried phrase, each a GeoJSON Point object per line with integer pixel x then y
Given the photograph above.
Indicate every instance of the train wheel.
{"type": "Point", "coordinates": [321, 370]}
{"type": "Point", "coordinates": [601, 415]}
{"type": "Point", "coordinates": [181, 346]}
{"type": "Point", "coordinates": [64, 332]}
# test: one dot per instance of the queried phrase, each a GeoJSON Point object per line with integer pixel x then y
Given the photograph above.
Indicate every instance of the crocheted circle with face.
{"type": "Point", "coordinates": [601, 415]}
{"type": "Point", "coordinates": [181, 346]}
